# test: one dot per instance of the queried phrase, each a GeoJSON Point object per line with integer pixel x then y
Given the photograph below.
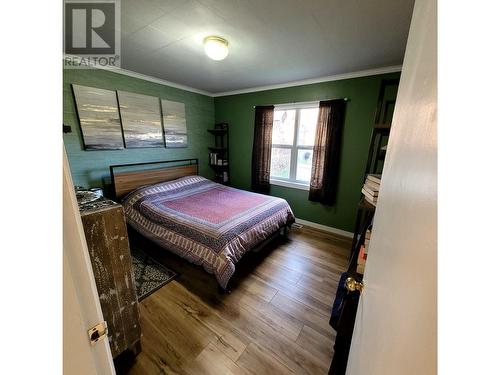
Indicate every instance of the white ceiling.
{"type": "Point", "coordinates": [270, 41]}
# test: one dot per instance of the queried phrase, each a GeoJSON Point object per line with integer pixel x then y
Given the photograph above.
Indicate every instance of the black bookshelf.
{"type": "Point", "coordinates": [375, 163]}
{"type": "Point", "coordinates": [218, 156]}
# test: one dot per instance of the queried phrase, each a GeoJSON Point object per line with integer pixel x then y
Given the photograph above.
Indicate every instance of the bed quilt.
{"type": "Point", "coordinates": [208, 224]}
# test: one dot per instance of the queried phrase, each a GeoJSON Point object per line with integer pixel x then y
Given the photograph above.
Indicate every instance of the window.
{"type": "Point", "coordinates": [294, 130]}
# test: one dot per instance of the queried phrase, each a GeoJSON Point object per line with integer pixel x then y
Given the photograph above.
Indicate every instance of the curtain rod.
{"type": "Point", "coordinates": [265, 105]}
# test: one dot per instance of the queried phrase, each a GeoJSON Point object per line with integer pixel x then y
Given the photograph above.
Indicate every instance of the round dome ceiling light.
{"type": "Point", "coordinates": [216, 47]}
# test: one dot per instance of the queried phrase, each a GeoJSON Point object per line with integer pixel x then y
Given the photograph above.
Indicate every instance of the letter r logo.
{"type": "Point", "coordinates": [90, 28]}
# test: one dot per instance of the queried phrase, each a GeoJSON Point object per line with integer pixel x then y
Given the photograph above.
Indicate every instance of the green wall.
{"type": "Point", "coordinates": [238, 111]}
{"type": "Point", "coordinates": [91, 168]}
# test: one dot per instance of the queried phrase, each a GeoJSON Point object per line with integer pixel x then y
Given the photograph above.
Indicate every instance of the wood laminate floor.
{"type": "Point", "coordinates": [275, 321]}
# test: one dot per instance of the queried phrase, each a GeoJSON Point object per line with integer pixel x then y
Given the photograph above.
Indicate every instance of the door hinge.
{"type": "Point", "coordinates": [98, 332]}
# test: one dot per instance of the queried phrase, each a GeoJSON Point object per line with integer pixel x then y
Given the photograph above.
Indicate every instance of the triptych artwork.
{"type": "Point", "coordinates": [115, 120]}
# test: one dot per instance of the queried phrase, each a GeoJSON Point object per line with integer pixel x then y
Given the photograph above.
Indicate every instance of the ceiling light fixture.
{"type": "Point", "coordinates": [216, 47]}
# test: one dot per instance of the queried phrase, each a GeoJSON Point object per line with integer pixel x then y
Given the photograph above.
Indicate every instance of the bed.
{"type": "Point", "coordinates": [207, 223]}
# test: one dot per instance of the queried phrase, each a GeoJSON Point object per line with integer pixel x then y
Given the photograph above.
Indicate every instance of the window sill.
{"type": "Point", "coordinates": [290, 184]}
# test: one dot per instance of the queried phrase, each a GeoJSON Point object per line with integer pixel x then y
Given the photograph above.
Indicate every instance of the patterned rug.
{"type": "Point", "coordinates": [149, 274]}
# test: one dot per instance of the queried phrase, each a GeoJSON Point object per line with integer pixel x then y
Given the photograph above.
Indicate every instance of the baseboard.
{"type": "Point", "coordinates": [325, 228]}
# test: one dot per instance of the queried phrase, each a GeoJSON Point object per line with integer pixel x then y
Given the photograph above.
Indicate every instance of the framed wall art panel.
{"type": "Point", "coordinates": [141, 120]}
{"type": "Point", "coordinates": [174, 123]}
{"type": "Point", "coordinates": [99, 118]}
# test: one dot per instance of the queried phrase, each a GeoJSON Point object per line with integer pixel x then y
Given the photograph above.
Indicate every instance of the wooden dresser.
{"type": "Point", "coordinates": [107, 240]}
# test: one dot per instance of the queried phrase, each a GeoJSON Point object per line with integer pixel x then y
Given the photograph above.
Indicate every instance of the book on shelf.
{"type": "Point", "coordinates": [360, 268]}
{"type": "Point", "coordinates": [368, 234]}
{"type": "Point", "coordinates": [370, 190]}
{"type": "Point", "coordinates": [371, 200]}
{"type": "Point", "coordinates": [374, 178]}
{"type": "Point", "coordinates": [369, 194]}
{"type": "Point", "coordinates": [362, 254]}
{"type": "Point", "coordinates": [371, 185]}
{"type": "Point", "coordinates": [221, 162]}
{"type": "Point", "coordinates": [215, 160]}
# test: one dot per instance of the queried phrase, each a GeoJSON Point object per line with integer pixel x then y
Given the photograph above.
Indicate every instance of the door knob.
{"type": "Point", "coordinates": [352, 285]}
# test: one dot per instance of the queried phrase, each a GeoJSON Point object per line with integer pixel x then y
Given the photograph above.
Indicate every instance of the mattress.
{"type": "Point", "coordinates": [208, 224]}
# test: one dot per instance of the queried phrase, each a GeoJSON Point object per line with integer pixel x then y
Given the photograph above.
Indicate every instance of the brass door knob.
{"type": "Point", "coordinates": [352, 285]}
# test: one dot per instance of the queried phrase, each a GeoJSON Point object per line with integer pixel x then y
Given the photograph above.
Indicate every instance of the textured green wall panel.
{"type": "Point", "coordinates": [91, 168]}
{"type": "Point", "coordinates": [238, 111]}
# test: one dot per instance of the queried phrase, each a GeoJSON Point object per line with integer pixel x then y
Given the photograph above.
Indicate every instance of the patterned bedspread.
{"type": "Point", "coordinates": [204, 222]}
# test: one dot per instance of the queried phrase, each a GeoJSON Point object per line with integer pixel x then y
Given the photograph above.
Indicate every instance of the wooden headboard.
{"type": "Point", "coordinates": [129, 180]}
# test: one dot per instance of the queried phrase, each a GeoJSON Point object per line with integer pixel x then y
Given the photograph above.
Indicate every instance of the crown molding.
{"type": "Point", "coordinates": [336, 77]}
{"type": "Point", "coordinates": [149, 78]}
{"type": "Point", "coordinates": [160, 81]}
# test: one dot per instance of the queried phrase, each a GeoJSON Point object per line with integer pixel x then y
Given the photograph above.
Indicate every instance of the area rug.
{"type": "Point", "coordinates": [149, 275]}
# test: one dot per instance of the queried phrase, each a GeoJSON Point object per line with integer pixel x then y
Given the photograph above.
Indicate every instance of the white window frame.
{"type": "Point", "coordinates": [292, 182]}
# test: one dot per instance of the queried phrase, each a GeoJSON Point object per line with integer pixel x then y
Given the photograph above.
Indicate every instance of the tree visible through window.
{"type": "Point", "coordinates": [294, 131]}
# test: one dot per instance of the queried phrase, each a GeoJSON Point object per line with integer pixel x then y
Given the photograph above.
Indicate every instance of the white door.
{"type": "Point", "coordinates": [396, 322]}
{"type": "Point", "coordinates": [82, 309]}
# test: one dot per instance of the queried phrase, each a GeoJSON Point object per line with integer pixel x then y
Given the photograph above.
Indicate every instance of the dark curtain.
{"type": "Point", "coordinates": [326, 152]}
{"type": "Point", "coordinates": [262, 141]}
